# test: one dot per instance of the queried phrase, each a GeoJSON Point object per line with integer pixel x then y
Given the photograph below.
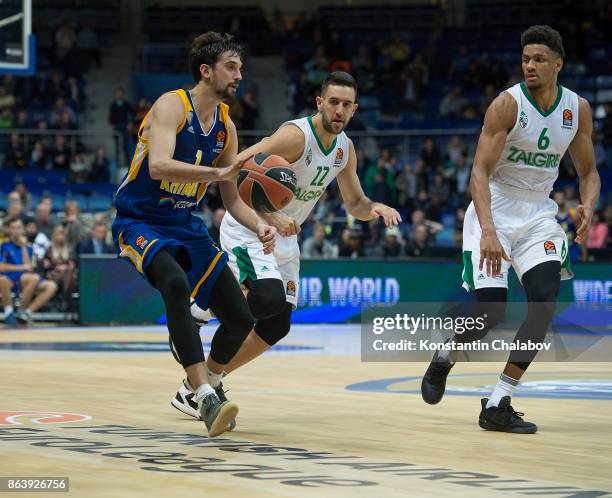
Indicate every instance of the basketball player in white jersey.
{"type": "Point", "coordinates": [319, 151]}
{"type": "Point", "coordinates": [511, 220]}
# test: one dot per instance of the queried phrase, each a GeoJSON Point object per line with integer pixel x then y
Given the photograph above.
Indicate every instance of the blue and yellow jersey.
{"type": "Point", "coordinates": [166, 202]}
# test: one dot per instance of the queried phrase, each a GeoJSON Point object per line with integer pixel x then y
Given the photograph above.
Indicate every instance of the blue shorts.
{"type": "Point", "coordinates": [15, 279]}
{"type": "Point", "coordinates": [190, 244]}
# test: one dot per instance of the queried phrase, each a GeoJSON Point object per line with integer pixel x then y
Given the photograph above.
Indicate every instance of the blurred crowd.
{"type": "Point", "coordinates": [39, 252]}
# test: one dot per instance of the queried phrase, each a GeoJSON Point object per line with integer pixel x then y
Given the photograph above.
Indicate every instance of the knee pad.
{"type": "Point", "coordinates": [271, 330]}
{"type": "Point", "coordinates": [266, 297]}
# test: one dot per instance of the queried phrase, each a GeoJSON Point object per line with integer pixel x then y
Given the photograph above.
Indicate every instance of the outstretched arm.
{"type": "Point", "coordinates": [356, 202]}
{"type": "Point", "coordinates": [583, 155]}
{"type": "Point", "coordinates": [500, 117]}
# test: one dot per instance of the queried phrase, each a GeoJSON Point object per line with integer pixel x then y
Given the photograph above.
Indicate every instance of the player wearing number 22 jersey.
{"type": "Point", "coordinates": [318, 151]}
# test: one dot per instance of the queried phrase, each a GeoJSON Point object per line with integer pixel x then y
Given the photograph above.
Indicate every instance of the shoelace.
{"type": "Point", "coordinates": [514, 415]}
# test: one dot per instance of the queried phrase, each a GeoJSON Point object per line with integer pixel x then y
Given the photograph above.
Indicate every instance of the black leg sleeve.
{"type": "Point", "coordinates": [230, 306]}
{"type": "Point", "coordinates": [171, 281]}
{"type": "Point", "coordinates": [541, 285]}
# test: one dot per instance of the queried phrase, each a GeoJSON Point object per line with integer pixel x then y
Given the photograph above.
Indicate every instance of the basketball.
{"type": "Point", "coordinates": [266, 183]}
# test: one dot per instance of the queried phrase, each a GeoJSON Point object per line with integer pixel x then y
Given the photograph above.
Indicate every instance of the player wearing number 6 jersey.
{"type": "Point", "coordinates": [319, 151]}
{"type": "Point", "coordinates": [511, 221]}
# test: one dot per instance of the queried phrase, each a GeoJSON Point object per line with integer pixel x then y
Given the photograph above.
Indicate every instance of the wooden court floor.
{"type": "Point", "coordinates": [310, 425]}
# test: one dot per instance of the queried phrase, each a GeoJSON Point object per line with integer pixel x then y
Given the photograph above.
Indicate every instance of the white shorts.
{"type": "Point", "coordinates": [247, 259]}
{"type": "Point", "coordinates": [526, 228]}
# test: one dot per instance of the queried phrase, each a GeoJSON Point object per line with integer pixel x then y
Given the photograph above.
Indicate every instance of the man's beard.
{"type": "Point", "coordinates": [327, 126]}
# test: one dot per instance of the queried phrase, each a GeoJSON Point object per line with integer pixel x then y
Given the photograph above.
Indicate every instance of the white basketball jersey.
{"type": "Point", "coordinates": [315, 169]}
{"type": "Point", "coordinates": [537, 142]}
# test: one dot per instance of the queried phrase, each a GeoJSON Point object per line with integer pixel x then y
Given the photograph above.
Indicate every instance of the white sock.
{"type": "Point", "coordinates": [8, 310]}
{"type": "Point", "coordinates": [203, 391]}
{"type": "Point", "coordinates": [214, 379]}
{"type": "Point", "coordinates": [505, 387]}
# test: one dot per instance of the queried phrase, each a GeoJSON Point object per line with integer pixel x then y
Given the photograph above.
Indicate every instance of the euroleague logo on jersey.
{"type": "Point", "coordinates": [141, 241]}
{"type": "Point", "coordinates": [549, 247]}
{"type": "Point", "coordinates": [291, 288]}
{"type": "Point", "coordinates": [220, 138]}
{"type": "Point", "coordinates": [567, 118]}
{"type": "Point", "coordinates": [339, 156]}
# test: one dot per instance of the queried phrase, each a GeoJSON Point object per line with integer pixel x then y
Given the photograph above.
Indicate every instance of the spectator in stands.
{"type": "Point", "coordinates": [89, 44]}
{"type": "Point", "coordinates": [15, 207]}
{"type": "Point", "coordinates": [24, 195]}
{"type": "Point", "coordinates": [59, 263]}
{"type": "Point", "coordinates": [393, 245]}
{"type": "Point", "coordinates": [22, 121]}
{"type": "Point", "coordinates": [62, 153]}
{"type": "Point", "coordinates": [99, 171]}
{"type": "Point", "coordinates": [6, 285]}
{"type": "Point", "coordinates": [462, 175]}
{"type": "Point", "coordinates": [458, 229]}
{"type": "Point", "coordinates": [96, 242]}
{"type": "Point", "coordinates": [44, 219]}
{"type": "Point", "coordinates": [6, 118]}
{"type": "Point", "coordinates": [350, 244]}
{"type": "Point", "coordinates": [420, 246]}
{"type": "Point", "coordinates": [317, 67]}
{"type": "Point", "coordinates": [65, 122]}
{"type": "Point", "coordinates": [18, 264]}
{"type": "Point", "coordinates": [440, 188]}
{"type": "Point", "coordinates": [598, 232]}
{"type": "Point", "coordinates": [38, 240]}
{"type": "Point", "coordinates": [79, 170]}
{"type": "Point", "coordinates": [430, 154]}
{"type": "Point", "coordinates": [65, 42]}
{"type": "Point", "coordinates": [76, 98]}
{"type": "Point", "coordinates": [62, 114]}
{"type": "Point", "coordinates": [39, 158]}
{"type": "Point", "coordinates": [318, 246]}
{"type": "Point", "coordinates": [418, 218]}
{"type": "Point", "coordinates": [455, 149]}
{"type": "Point", "coordinates": [55, 87]}
{"type": "Point", "coordinates": [406, 184]}
{"type": "Point", "coordinates": [419, 77]}
{"type": "Point", "coordinates": [453, 103]}
{"type": "Point", "coordinates": [73, 224]}
{"type": "Point", "coordinates": [488, 97]}
{"type": "Point", "coordinates": [15, 155]}
{"type": "Point", "coordinates": [7, 100]}
{"type": "Point", "coordinates": [215, 229]}
{"type": "Point", "coordinates": [120, 115]}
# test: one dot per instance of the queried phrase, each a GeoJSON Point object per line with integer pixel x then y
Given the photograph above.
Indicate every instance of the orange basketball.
{"type": "Point", "coordinates": [266, 183]}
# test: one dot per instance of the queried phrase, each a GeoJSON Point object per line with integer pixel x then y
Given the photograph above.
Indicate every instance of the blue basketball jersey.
{"type": "Point", "coordinates": [162, 201]}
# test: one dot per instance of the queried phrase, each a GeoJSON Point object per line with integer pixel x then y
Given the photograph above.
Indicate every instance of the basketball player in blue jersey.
{"type": "Point", "coordinates": [185, 142]}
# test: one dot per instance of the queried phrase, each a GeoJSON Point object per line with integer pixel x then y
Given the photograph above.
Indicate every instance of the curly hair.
{"type": "Point", "coordinates": [543, 35]}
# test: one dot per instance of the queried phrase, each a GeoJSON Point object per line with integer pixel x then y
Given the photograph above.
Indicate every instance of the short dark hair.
{"type": "Point", "coordinates": [208, 48]}
{"type": "Point", "coordinates": [543, 35]}
{"type": "Point", "coordinates": [12, 220]}
{"type": "Point", "coordinates": [339, 78]}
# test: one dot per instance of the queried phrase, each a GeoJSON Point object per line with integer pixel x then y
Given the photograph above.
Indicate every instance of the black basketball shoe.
{"type": "Point", "coordinates": [503, 418]}
{"type": "Point", "coordinates": [434, 380]}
